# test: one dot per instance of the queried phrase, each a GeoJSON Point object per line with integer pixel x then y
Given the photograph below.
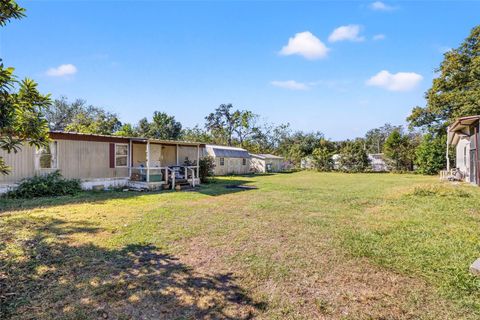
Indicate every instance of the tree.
{"type": "Point", "coordinates": [399, 149]}
{"type": "Point", "coordinates": [196, 134]}
{"type": "Point", "coordinates": [22, 105]}
{"type": "Point", "coordinates": [353, 157]}
{"type": "Point", "coordinates": [9, 10]}
{"type": "Point", "coordinates": [126, 130]}
{"type": "Point", "coordinates": [143, 127]}
{"type": "Point", "coordinates": [222, 123]}
{"type": "Point", "coordinates": [456, 90]}
{"type": "Point", "coordinates": [299, 145]}
{"type": "Point", "coordinates": [375, 138]}
{"type": "Point", "coordinates": [430, 154]}
{"type": "Point", "coordinates": [247, 126]}
{"type": "Point", "coordinates": [322, 156]}
{"type": "Point", "coordinates": [163, 127]}
{"type": "Point", "coordinates": [228, 126]}
{"type": "Point", "coordinates": [62, 113]}
{"type": "Point", "coordinates": [94, 120]}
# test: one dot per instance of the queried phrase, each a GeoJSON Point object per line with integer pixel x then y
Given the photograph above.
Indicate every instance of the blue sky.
{"type": "Point", "coordinates": [338, 67]}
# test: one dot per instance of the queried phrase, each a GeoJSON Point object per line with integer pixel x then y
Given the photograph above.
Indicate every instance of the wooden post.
{"type": "Point", "coordinates": [176, 154]}
{"type": "Point", "coordinates": [148, 160]}
{"type": "Point", "coordinates": [193, 177]}
{"type": "Point", "coordinates": [198, 161]}
{"type": "Point", "coordinates": [448, 159]}
{"type": "Point", "coordinates": [173, 180]}
{"type": "Point", "coordinates": [130, 159]}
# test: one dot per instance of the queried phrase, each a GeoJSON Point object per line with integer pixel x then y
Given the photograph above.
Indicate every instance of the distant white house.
{"type": "Point", "coordinates": [266, 163]}
{"type": "Point", "coordinates": [307, 163]}
{"type": "Point", "coordinates": [229, 160]}
{"type": "Point", "coordinates": [377, 162]}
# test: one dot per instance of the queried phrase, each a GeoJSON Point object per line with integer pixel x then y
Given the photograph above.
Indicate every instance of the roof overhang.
{"type": "Point", "coordinates": [60, 135]}
{"type": "Point", "coordinates": [461, 128]}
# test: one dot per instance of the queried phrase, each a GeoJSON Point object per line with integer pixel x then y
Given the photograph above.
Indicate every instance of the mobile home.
{"type": "Point", "coordinates": [106, 161]}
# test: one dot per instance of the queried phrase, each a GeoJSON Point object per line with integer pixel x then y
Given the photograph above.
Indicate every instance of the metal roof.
{"type": "Point", "coordinates": [226, 152]}
{"type": "Point", "coordinates": [264, 156]}
{"type": "Point", "coordinates": [460, 128]}
{"type": "Point", "coordinates": [76, 135]}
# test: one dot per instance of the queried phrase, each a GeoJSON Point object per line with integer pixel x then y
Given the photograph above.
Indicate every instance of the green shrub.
{"type": "Point", "coordinates": [207, 165]}
{"type": "Point", "coordinates": [52, 184]}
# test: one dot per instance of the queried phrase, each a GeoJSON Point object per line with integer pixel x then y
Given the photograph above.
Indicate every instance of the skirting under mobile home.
{"type": "Point", "coordinates": [106, 161]}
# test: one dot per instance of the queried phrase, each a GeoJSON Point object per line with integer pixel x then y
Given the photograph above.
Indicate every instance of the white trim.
{"type": "Point", "coordinates": [54, 160]}
{"type": "Point", "coordinates": [121, 156]}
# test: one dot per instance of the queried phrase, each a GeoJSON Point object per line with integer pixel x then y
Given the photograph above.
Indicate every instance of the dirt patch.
{"type": "Point", "coordinates": [329, 286]}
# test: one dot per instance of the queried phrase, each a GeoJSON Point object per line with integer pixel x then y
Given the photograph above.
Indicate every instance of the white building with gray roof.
{"type": "Point", "coordinates": [229, 160]}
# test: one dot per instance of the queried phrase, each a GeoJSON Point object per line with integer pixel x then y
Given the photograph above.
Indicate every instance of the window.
{"type": "Point", "coordinates": [222, 161]}
{"type": "Point", "coordinates": [47, 156]}
{"type": "Point", "coordinates": [244, 161]}
{"type": "Point", "coordinates": [121, 155]}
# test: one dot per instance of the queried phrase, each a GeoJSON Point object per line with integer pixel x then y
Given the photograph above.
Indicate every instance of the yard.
{"type": "Point", "coordinates": [304, 245]}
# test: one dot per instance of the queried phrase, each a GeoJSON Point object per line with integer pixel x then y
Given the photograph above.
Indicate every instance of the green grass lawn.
{"type": "Point", "coordinates": [304, 245]}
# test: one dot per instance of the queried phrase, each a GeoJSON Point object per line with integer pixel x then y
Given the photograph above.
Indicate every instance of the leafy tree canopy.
{"type": "Point", "coordinates": [353, 157]}
{"type": "Point", "coordinates": [456, 90]}
{"type": "Point", "coordinates": [94, 120]}
{"type": "Point", "coordinates": [375, 138]}
{"type": "Point", "coordinates": [228, 126]}
{"type": "Point", "coordinates": [22, 105]}
{"type": "Point", "coordinates": [399, 149]}
{"type": "Point", "coordinates": [430, 154]}
{"type": "Point", "coordinates": [163, 126]}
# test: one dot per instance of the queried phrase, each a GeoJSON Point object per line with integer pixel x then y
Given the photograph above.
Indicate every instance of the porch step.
{"type": "Point", "coordinates": [180, 182]}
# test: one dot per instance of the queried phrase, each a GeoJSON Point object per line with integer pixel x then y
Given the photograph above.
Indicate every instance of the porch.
{"type": "Point", "coordinates": [155, 164]}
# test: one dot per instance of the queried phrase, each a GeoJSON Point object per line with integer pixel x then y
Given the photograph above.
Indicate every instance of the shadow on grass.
{"type": "Point", "coordinates": [227, 185]}
{"type": "Point", "coordinates": [216, 187]}
{"type": "Point", "coordinates": [45, 277]}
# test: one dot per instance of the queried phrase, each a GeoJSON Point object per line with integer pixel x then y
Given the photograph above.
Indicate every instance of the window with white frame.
{"type": "Point", "coordinates": [244, 161]}
{"type": "Point", "coordinates": [121, 155]}
{"type": "Point", "coordinates": [47, 156]}
{"type": "Point", "coordinates": [222, 161]}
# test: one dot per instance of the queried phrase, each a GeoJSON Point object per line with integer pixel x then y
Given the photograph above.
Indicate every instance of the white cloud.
{"type": "Point", "coordinates": [306, 45]}
{"type": "Point", "coordinates": [378, 37]}
{"type": "Point", "coordinates": [290, 84]}
{"type": "Point", "coordinates": [62, 70]}
{"type": "Point", "coordinates": [401, 81]}
{"type": "Point", "coordinates": [380, 6]}
{"type": "Point", "coordinates": [343, 33]}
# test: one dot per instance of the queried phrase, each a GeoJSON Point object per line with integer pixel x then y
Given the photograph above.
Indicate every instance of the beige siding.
{"type": "Point", "coordinates": [21, 163]}
{"type": "Point", "coordinates": [231, 166]}
{"type": "Point", "coordinates": [86, 160]}
{"type": "Point", "coordinates": [185, 152]}
{"type": "Point", "coordinates": [260, 165]}
{"type": "Point", "coordinates": [169, 156]}
{"type": "Point", "coordinates": [139, 154]}
{"type": "Point", "coordinates": [91, 160]}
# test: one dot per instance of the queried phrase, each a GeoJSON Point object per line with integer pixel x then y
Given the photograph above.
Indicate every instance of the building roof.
{"type": "Point", "coordinates": [265, 156]}
{"type": "Point", "coordinates": [61, 135]}
{"type": "Point", "coordinates": [461, 127]}
{"type": "Point", "coordinates": [226, 151]}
